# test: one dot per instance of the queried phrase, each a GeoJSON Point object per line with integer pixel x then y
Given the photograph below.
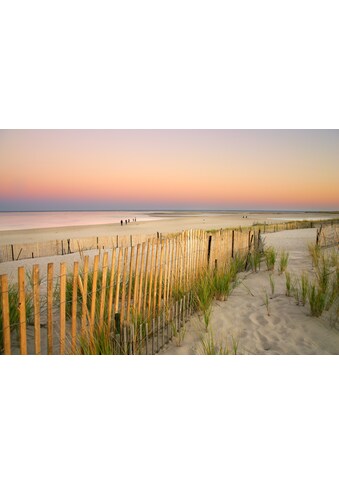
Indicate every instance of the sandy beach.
{"type": "Point", "coordinates": [285, 328]}
{"type": "Point", "coordinates": [170, 222]}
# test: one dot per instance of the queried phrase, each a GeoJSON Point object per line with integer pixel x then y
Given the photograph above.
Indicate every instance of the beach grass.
{"type": "Point", "coordinates": [270, 255]}
{"type": "Point", "coordinates": [283, 261]}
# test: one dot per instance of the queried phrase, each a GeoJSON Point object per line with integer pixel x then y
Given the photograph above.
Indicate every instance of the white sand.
{"type": "Point", "coordinates": [172, 222]}
{"type": "Point", "coordinates": [288, 329]}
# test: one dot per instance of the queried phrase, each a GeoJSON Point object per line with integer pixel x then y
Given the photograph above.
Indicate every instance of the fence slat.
{"type": "Point", "coordinates": [6, 329]}
{"type": "Point", "coordinates": [143, 271]}
{"type": "Point", "coordinates": [84, 309]}
{"type": "Point", "coordinates": [111, 288]}
{"type": "Point", "coordinates": [50, 271]}
{"type": "Point", "coordinates": [130, 284]}
{"type": "Point", "coordinates": [22, 311]}
{"type": "Point", "coordinates": [94, 292]}
{"type": "Point", "coordinates": [155, 277]}
{"type": "Point", "coordinates": [160, 277]}
{"type": "Point", "coordinates": [74, 306]}
{"type": "Point", "coordinates": [62, 308]}
{"type": "Point", "coordinates": [36, 306]}
{"type": "Point", "coordinates": [123, 291]}
{"type": "Point", "coordinates": [103, 289]}
{"type": "Point", "coordinates": [153, 262]}
{"type": "Point", "coordinates": [136, 283]}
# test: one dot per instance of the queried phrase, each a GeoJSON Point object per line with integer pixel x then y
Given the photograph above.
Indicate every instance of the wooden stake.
{"type": "Point", "coordinates": [103, 289]}
{"type": "Point", "coordinates": [62, 307]}
{"type": "Point", "coordinates": [84, 297]}
{"type": "Point", "coordinates": [117, 290]}
{"type": "Point", "coordinates": [153, 262]}
{"type": "Point", "coordinates": [74, 305]}
{"type": "Point", "coordinates": [123, 294]}
{"type": "Point", "coordinates": [94, 293]}
{"type": "Point", "coordinates": [153, 336]}
{"type": "Point", "coordinates": [143, 271]}
{"type": "Point", "coordinates": [155, 277]}
{"type": "Point", "coordinates": [147, 264]}
{"type": "Point", "coordinates": [166, 264]}
{"type": "Point", "coordinates": [36, 304]}
{"type": "Point", "coordinates": [22, 311]}
{"type": "Point", "coordinates": [130, 275]}
{"type": "Point", "coordinates": [111, 286]}
{"type": "Point", "coordinates": [6, 329]}
{"type": "Point", "coordinates": [50, 308]}
{"type": "Point", "coordinates": [160, 277]}
{"type": "Point", "coordinates": [136, 282]}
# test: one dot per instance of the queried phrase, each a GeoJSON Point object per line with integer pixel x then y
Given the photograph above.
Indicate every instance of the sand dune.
{"type": "Point", "coordinates": [285, 328]}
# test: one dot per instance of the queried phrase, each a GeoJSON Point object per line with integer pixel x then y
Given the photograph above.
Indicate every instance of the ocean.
{"type": "Point", "coordinates": [38, 220]}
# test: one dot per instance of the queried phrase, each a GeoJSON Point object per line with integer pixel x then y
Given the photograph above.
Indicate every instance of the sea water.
{"type": "Point", "coordinates": [36, 220]}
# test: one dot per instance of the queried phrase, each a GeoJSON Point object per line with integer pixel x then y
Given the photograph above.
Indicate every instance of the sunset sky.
{"type": "Point", "coordinates": [169, 169]}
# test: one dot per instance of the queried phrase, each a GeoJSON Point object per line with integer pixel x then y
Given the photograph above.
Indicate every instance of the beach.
{"type": "Point", "coordinates": [161, 221]}
{"type": "Point", "coordinates": [281, 328]}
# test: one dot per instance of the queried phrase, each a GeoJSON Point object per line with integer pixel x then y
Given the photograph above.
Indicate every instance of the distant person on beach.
{"type": "Point", "coordinates": [121, 222]}
{"type": "Point", "coordinates": [125, 221]}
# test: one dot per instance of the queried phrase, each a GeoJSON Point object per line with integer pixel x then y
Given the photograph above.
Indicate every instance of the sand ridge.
{"type": "Point", "coordinates": [283, 328]}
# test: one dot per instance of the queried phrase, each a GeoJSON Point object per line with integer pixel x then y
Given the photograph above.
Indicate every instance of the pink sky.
{"type": "Point", "coordinates": [169, 169]}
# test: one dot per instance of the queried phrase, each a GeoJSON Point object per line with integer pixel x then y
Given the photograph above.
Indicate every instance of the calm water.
{"type": "Point", "coordinates": [34, 220]}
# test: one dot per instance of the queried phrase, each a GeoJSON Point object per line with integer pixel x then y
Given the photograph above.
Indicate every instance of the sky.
{"type": "Point", "coordinates": [169, 169]}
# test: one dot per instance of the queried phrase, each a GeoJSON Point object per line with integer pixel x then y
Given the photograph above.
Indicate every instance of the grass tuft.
{"type": "Point", "coordinates": [270, 255]}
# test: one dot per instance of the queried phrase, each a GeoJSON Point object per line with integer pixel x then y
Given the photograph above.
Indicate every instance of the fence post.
{"type": "Point", "coordinates": [22, 311]}
{"type": "Point", "coordinates": [74, 305]}
{"type": "Point", "coordinates": [117, 290]}
{"type": "Point", "coordinates": [36, 303]}
{"type": "Point", "coordinates": [6, 329]}
{"type": "Point", "coordinates": [50, 269]}
{"type": "Point", "coordinates": [94, 292]}
{"type": "Point", "coordinates": [103, 289]}
{"type": "Point", "coordinates": [84, 309]}
{"type": "Point", "coordinates": [110, 294]}
{"type": "Point", "coordinates": [62, 307]}
{"type": "Point", "coordinates": [130, 284]}
{"type": "Point", "coordinates": [232, 254]}
{"type": "Point", "coordinates": [123, 291]}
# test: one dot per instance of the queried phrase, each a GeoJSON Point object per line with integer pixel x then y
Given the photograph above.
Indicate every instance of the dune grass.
{"type": "Point", "coordinates": [270, 255]}
{"type": "Point", "coordinates": [283, 262]}
{"type": "Point", "coordinates": [209, 346]}
{"type": "Point", "coordinates": [322, 291]}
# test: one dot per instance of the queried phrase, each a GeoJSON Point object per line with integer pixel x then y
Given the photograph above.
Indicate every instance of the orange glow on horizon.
{"type": "Point", "coordinates": [167, 167]}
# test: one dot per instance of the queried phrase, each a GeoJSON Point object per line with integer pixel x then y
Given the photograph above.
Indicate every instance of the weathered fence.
{"type": "Point", "coordinates": [328, 236]}
{"type": "Point", "coordinates": [14, 252]}
{"type": "Point", "coordinates": [140, 294]}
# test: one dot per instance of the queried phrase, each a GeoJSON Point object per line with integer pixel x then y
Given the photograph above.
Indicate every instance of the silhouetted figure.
{"type": "Point", "coordinates": [121, 222]}
{"type": "Point", "coordinates": [125, 221]}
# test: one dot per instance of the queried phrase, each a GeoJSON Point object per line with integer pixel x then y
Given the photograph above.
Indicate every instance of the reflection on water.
{"type": "Point", "coordinates": [35, 220]}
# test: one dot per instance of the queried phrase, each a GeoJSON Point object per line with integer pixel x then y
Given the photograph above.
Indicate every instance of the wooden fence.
{"type": "Point", "coordinates": [328, 236]}
{"type": "Point", "coordinates": [141, 293]}
{"type": "Point", "coordinates": [14, 252]}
